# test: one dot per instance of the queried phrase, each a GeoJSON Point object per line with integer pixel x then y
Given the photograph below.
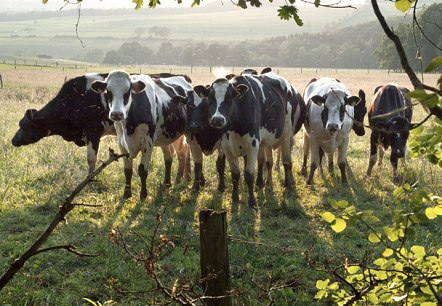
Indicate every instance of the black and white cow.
{"type": "Point", "coordinates": [389, 115]}
{"type": "Point", "coordinates": [80, 115]}
{"type": "Point", "coordinates": [330, 109]}
{"type": "Point", "coordinates": [77, 114]}
{"type": "Point", "coordinates": [254, 115]}
{"type": "Point", "coordinates": [202, 138]}
{"type": "Point", "coordinates": [144, 116]}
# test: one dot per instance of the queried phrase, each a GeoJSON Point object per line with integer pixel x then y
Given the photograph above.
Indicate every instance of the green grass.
{"type": "Point", "coordinates": [269, 247]}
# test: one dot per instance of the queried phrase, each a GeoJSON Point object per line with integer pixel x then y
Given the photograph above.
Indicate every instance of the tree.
{"type": "Point", "coordinates": [158, 31]}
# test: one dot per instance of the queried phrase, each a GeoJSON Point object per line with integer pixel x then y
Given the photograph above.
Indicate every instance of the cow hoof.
{"type": "Point", "coordinates": [143, 194]}
{"type": "Point", "coordinates": [127, 193]}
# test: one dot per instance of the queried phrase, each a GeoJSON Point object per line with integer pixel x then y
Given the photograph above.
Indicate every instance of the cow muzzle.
{"type": "Point", "coordinates": [218, 122]}
{"type": "Point", "coordinates": [332, 127]}
{"type": "Point", "coordinates": [116, 116]}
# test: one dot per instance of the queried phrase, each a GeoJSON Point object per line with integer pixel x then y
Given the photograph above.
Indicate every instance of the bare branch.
{"type": "Point", "coordinates": [69, 248]}
{"type": "Point", "coordinates": [64, 209]}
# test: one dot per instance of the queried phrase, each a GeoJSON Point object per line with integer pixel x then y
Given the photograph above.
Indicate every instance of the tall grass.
{"type": "Point", "coordinates": [266, 248]}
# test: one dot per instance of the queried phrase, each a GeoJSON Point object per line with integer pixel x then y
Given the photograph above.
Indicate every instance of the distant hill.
{"type": "Point", "coordinates": [53, 32]}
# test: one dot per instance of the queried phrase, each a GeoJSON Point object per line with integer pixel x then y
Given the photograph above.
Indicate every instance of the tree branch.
{"type": "Point", "coordinates": [437, 111]}
{"type": "Point", "coordinates": [64, 209]}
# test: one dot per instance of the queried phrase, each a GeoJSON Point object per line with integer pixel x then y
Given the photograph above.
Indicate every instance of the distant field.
{"type": "Point", "coordinates": [266, 248]}
{"type": "Point", "coordinates": [55, 35]}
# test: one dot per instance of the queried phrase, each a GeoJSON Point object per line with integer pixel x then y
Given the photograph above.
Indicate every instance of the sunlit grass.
{"type": "Point", "coordinates": [265, 246]}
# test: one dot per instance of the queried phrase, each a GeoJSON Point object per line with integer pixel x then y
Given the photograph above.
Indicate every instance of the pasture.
{"type": "Point", "coordinates": [269, 250]}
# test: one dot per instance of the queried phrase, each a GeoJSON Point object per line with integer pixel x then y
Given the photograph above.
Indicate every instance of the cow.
{"type": "Point", "coordinates": [144, 116]}
{"type": "Point", "coordinates": [202, 138]}
{"type": "Point", "coordinates": [389, 116]}
{"type": "Point", "coordinates": [330, 109]}
{"type": "Point", "coordinates": [254, 115]}
{"type": "Point", "coordinates": [79, 114]}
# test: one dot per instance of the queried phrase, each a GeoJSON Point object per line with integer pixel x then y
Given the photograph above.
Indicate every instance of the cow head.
{"type": "Point", "coordinates": [220, 97]}
{"type": "Point", "coordinates": [395, 132]}
{"type": "Point", "coordinates": [31, 129]}
{"type": "Point", "coordinates": [196, 111]}
{"type": "Point", "coordinates": [359, 115]}
{"type": "Point", "coordinates": [334, 103]}
{"type": "Point", "coordinates": [118, 88]}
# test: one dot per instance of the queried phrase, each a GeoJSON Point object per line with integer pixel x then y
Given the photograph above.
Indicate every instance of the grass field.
{"type": "Point", "coordinates": [268, 248]}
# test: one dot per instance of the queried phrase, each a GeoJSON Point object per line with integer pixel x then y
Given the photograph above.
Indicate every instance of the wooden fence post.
{"type": "Point", "coordinates": [214, 258]}
{"type": "Point", "coordinates": [1, 81]}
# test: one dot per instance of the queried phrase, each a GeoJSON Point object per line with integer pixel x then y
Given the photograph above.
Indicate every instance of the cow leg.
{"type": "Point", "coordinates": [330, 164]}
{"type": "Point", "coordinates": [143, 167]}
{"type": "Point", "coordinates": [381, 155]}
{"type": "Point", "coordinates": [269, 166]}
{"type": "Point", "coordinates": [261, 161]}
{"type": "Point", "coordinates": [128, 171]}
{"type": "Point", "coordinates": [91, 154]}
{"type": "Point", "coordinates": [168, 158]}
{"type": "Point", "coordinates": [286, 149]}
{"type": "Point", "coordinates": [342, 159]}
{"type": "Point", "coordinates": [306, 148]}
{"type": "Point", "coordinates": [394, 160]}
{"type": "Point", "coordinates": [220, 168]}
{"type": "Point", "coordinates": [278, 159]}
{"type": "Point", "coordinates": [234, 170]}
{"type": "Point", "coordinates": [373, 152]}
{"type": "Point", "coordinates": [197, 156]}
{"type": "Point", "coordinates": [187, 169]}
{"type": "Point", "coordinates": [249, 177]}
{"type": "Point", "coordinates": [314, 148]}
{"type": "Point", "coordinates": [182, 151]}
{"type": "Point", "coordinates": [348, 169]}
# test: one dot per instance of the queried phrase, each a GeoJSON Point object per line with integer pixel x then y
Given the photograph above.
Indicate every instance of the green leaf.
{"type": "Point", "coordinates": [322, 284]}
{"type": "Point", "coordinates": [435, 62]}
{"type": "Point", "coordinates": [387, 252]}
{"type": "Point", "coordinates": [45, 1]}
{"type": "Point", "coordinates": [418, 250]}
{"type": "Point", "coordinates": [328, 217]}
{"type": "Point", "coordinates": [403, 5]}
{"type": "Point", "coordinates": [287, 12]}
{"type": "Point", "coordinates": [339, 225]}
{"type": "Point", "coordinates": [353, 269]}
{"type": "Point", "coordinates": [431, 213]}
{"type": "Point", "coordinates": [374, 237]}
{"type": "Point", "coordinates": [139, 3]}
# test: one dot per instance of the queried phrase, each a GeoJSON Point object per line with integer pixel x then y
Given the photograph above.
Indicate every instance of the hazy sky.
{"type": "Point", "coordinates": [37, 5]}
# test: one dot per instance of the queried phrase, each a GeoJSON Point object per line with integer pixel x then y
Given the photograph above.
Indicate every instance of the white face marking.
{"type": "Point", "coordinates": [119, 84]}
{"type": "Point", "coordinates": [197, 100]}
{"type": "Point", "coordinates": [334, 101]}
{"type": "Point", "coordinates": [220, 93]}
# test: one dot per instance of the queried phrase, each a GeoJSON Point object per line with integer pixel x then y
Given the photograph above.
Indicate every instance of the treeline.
{"type": "Point", "coordinates": [363, 46]}
{"type": "Point", "coordinates": [325, 50]}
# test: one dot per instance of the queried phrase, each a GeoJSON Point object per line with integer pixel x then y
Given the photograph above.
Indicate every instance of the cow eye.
{"type": "Point", "coordinates": [108, 96]}
{"type": "Point", "coordinates": [126, 98]}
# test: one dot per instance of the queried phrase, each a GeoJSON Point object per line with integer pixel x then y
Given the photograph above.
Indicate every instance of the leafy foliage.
{"type": "Point", "coordinates": [428, 141]}
{"type": "Point", "coordinates": [402, 273]}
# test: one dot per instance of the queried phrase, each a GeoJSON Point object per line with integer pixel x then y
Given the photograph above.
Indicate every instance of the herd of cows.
{"type": "Point", "coordinates": [247, 115]}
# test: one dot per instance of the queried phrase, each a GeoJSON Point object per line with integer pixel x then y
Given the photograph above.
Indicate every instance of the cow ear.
{"type": "Point", "coordinates": [137, 86]}
{"type": "Point", "coordinates": [353, 100]}
{"type": "Point", "coordinates": [240, 90]}
{"type": "Point", "coordinates": [377, 89]}
{"type": "Point", "coordinates": [30, 114]}
{"type": "Point", "coordinates": [266, 70]}
{"type": "Point", "coordinates": [99, 86]}
{"type": "Point", "coordinates": [361, 95]}
{"type": "Point", "coordinates": [202, 91]}
{"type": "Point", "coordinates": [318, 100]}
{"type": "Point", "coordinates": [230, 76]}
{"type": "Point", "coordinates": [179, 99]}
